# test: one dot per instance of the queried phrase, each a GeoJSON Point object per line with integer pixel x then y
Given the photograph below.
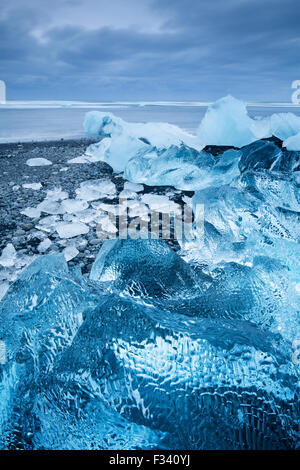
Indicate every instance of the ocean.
{"type": "Point", "coordinates": [23, 121]}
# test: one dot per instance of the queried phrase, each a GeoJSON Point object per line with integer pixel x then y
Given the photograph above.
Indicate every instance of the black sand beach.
{"type": "Point", "coordinates": [20, 230]}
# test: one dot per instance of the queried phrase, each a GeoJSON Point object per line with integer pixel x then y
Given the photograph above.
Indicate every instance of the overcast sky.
{"type": "Point", "coordinates": [150, 49]}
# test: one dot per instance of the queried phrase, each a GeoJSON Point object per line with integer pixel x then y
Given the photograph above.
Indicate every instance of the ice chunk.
{"type": "Point", "coordinates": [161, 203]}
{"type": "Point", "coordinates": [292, 142]}
{"type": "Point", "coordinates": [183, 168]}
{"type": "Point", "coordinates": [105, 224]}
{"type": "Point", "coordinates": [44, 245]}
{"type": "Point", "coordinates": [147, 366]}
{"type": "Point", "coordinates": [154, 152]}
{"type": "Point", "coordinates": [92, 190]}
{"type": "Point", "coordinates": [8, 256]}
{"type": "Point", "coordinates": [284, 125]}
{"type": "Point", "coordinates": [129, 262]}
{"type": "Point", "coordinates": [32, 212]}
{"type": "Point", "coordinates": [136, 188]}
{"type": "Point", "coordinates": [34, 186]}
{"type": "Point", "coordinates": [74, 205]}
{"type": "Point", "coordinates": [156, 134]}
{"type": "Point", "coordinates": [48, 224]}
{"type": "Point", "coordinates": [56, 194]}
{"type": "Point", "coordinates": [51, 207]}
{"type": "Point", "coordinates": [126, 194]}
{"type": "Point", "coordinates": [128, 140]}
{"type": "Point", "coordinates": [260, 155]}
{"type": "Point", "coordinates": [70, 230]}
{"type": "Point", "coordinates": [70, 252]}
{"type": "Point", "coordinates": [38, 162]}
{"type": "Point", "coordinates": [226, 122]}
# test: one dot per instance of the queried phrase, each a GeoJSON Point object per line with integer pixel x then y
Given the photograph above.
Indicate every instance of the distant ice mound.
{"type": "Point", "coordinates": [164, 154]}
{"type": "Point", "coordinates": [226, 122]}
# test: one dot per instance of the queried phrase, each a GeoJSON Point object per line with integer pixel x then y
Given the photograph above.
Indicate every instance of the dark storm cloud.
{"type": "Point", "coordinates": [154, 49]}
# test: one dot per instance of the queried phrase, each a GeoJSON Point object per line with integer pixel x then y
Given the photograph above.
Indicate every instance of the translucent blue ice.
{"type": "Point", "coordinates": [119, 363]}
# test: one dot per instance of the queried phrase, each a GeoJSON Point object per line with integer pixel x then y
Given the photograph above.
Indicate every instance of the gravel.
{"type": "Point", "coordinates": [20, 231]}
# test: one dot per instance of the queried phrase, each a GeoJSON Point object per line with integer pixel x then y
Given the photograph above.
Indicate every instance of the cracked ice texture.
{"type": "Point", "coordinates": [113, 364]}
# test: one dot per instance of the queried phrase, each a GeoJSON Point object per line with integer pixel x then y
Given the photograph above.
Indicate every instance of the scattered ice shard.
{"type": "Point", "coordinates": [136, 188]}
{"type": "Point", "coordinates": [44, 245]}
{"type": "Point", "coordinates": [70, 252]}
{"type": "Point", "coordinates": [74, 205]}
{"type": "Point", "coordinates": [8, 256]}
{"type": "Point", "coordinates": [34, 186]}
{"type": "Point", "coordinates": [38, 162]}
{"type": "Point", "coordinates": [70, 230]}
{"type": "Point", "coordinates": [92, 190]}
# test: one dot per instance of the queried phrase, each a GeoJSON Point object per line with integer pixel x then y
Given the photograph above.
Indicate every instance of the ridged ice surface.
{"type": "Point", "coordinates": [158, 349]}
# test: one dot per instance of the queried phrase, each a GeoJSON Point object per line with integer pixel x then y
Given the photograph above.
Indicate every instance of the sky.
{"type": "Point", "coordinates": [135, 50]}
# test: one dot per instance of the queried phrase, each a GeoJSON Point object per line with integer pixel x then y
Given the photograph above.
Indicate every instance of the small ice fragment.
{"type": "Point", "coordinates": [138, 209]}
{"type": "Point", "coordinates": [127, 194]}
{"type": "Point", "coordinates": [74, 205]}
{"type": "Point", "coordinates": [70, 252]}
{"type": "Point", "coordinates": [87, 216]}
{"type": "Point", "coordinates": [33, 212]}
{"type": "Point", "coordinates": [47, 223]}
{"type": "Point", "coordinates": [82, 159]}
{"type": "Point", "coordinates": [8, 256]}
{"type": "Point", "coordinates": [95, 189]}
{"type": "Point", "coordinates": [107, 225]}
{"type": "Point", "coordinates": [137, 188]}
{"type": "Point", "coordinates": [119, 209]}
{"type": "Point", "coordinates": [70, 230]}
{"type": "Point", "coordinates": [57, 194]}
{"type": "Point", "coordinates": [38, 162]}
{"type": "Point", "coordinates": [44, 245]}
{"type": "Point", "coordinates": [34, 186]}
{"type": "Point", "coordinates": [160, 203]}
{"type": "Point", "coordinates": [51, 207]}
